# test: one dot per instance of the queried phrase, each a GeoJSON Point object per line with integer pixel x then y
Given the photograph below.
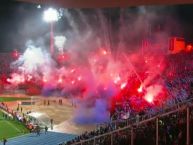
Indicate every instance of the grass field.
{"type": "Point", "coordinates": [11, 99]}
{"type": "Point", "coordinates": [11, 128]}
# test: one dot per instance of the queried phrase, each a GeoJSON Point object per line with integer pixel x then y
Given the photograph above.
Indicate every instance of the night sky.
{"type": "Point", "coordinates": [20, 22]}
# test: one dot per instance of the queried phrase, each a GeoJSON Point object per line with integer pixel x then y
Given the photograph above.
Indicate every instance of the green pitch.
{"type": "Point", "coordinates": [10, 99]}
{"type": "Point", "coordinates": [11, 128]}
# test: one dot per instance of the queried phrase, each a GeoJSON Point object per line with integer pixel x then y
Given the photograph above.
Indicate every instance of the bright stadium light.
{"type": "Point", "coordinates": [51, 15]}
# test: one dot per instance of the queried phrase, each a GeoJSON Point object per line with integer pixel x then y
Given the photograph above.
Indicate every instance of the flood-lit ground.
{"type": "Point", "coordinates": [62, 114]}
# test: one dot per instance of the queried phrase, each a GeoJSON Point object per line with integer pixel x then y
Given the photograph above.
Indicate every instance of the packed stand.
{"type": "Point", "coordinates": [172, 131]}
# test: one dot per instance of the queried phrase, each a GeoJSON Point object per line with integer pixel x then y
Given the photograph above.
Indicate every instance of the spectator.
{"type": "Point", "coordinates": [38, 130]}
{"type": "Point", "coordinates": [51, 122]}
{"type": "Point", "coordinates": [46, 129]}
{"type": "Point", "coordinates": [4, 141]}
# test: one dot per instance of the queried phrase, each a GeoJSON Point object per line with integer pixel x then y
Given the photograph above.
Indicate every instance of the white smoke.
{"type": "Point", "coordinates": [60, 42]}
{"type": "Point", "coordinates": [35, 61]}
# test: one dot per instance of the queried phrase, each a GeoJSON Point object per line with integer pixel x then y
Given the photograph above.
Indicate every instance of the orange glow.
{"type": "Point", "coordinates": [104, 52]}
{"type": "Point", "coordinates": [123, 85]}
{"type": "Point", "coordinates": [140, 89]}
{"type": "Point", "coordinates": [189, 48]}
{"type": "Point", "coordinates": [176, 45]}
{"type": "Point", "coordinates": [117, 79]}
{"type": "Point", "coordinates": [44, 79]}
{"type": "Point", "coordinates": [149, 98]}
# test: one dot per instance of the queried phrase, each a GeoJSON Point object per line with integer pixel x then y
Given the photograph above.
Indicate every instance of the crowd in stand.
{"type": "Point", "coordinates": [17, 115]}
{"type": "Point", "coordinates": [172, 131]}
{"type": "Point", "coordinates": [88, 135]}
{"type": "Point", "coordinates": [172, 128]}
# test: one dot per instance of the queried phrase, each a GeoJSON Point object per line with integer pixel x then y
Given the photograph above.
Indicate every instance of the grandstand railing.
{"type": "Point", "coordinates": [131, 124]}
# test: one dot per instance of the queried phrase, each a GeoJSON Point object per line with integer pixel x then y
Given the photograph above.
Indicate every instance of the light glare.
{"type": "Point", "coordinates": [51, 15]}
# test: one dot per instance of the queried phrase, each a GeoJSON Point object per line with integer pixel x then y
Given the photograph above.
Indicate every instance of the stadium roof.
{"type": "Point", "coordinates": [106, 3]}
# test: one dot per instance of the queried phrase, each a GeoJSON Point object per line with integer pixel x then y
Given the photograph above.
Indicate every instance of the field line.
{"type": "Point", "coordinates": [12, 126]}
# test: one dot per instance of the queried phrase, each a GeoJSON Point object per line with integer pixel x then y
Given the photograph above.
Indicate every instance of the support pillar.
{"type": "Point", "coordinates": [132, 136]}
{"type": "Point", "coordinates": [111, 138]}
{"type": "Point", "coordinates": [94, 141]}
{"type": "Point", "coordinates": [188, 126]}
{"type": "Point", "coordinates": [157, 131]}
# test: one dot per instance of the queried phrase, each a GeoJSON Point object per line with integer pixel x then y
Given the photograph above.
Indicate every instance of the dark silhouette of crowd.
{"type": "Point", "coordinates": [16, 115]}
{"type": "Point", "coordinates": [172, 130]}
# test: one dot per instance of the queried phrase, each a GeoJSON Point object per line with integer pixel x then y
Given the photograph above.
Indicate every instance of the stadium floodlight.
{"type": "Point", "coordinates": [51, 15]}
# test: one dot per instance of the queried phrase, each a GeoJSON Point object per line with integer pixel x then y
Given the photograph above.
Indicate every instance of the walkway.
{"type": "Point", "coordinates": [51, 138]}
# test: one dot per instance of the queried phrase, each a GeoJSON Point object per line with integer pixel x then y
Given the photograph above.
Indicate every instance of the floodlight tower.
{"type": "Point", "coordinates": [51, 15]}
